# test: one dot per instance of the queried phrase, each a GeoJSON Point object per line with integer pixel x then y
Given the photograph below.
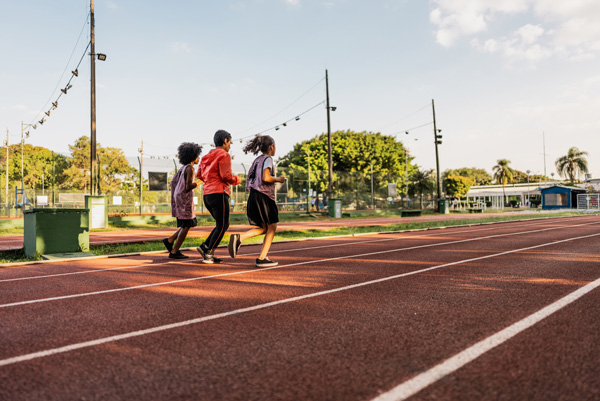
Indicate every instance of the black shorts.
{"type": "Point", "coordinates": [261, 209]}
{"type": "Point", "coordinates": [187, 222]}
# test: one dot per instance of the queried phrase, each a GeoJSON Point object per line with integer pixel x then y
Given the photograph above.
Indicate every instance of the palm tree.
{"type": "Point", "coordinates": [503, 174]}
{"type": "Point", "coordinates": [572, 164]}
{"type": "Point", "coordinates": [421, 182]}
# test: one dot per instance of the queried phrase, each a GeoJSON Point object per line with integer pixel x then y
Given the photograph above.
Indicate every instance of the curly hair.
{"type": "Point", "coordinates": [187, 152]}
{"type": "Point", "coordinates": [259, 143]}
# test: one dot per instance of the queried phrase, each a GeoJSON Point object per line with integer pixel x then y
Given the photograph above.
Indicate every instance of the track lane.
{"type": "Point", "coordinates": [357, 269]}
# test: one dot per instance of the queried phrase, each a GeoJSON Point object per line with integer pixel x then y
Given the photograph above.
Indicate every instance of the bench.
{"type": "Point", "coordinates": [410, 213]}
{"type": "Point", "coordinates": [475, 210]}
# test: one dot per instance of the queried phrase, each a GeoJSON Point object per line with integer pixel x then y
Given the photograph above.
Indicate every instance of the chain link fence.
{"type": "Point", "coordinates": [303, 191]}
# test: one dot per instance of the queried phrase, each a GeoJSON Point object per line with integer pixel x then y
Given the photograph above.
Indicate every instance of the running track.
{"type": "Point", "coordinates": [14, 242]}
{"type": "Point", "coordinates": [498, 312]}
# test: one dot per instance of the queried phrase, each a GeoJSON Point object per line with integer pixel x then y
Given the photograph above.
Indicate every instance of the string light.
{"type": "Point", "coordinates": [284, 124]}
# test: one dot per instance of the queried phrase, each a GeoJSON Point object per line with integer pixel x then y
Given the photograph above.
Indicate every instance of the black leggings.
{"type": "Point", "coordinates": [218, 206]}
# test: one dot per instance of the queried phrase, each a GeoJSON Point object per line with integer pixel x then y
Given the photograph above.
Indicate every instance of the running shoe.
{"type": "Point", "coordinates": [168, 245]}
{"type": "Point", "coordinates": [202, 250]}
{"type": "Point", "coordinates": [177, 255]}
{"type": "Point", "coordinates": [266, 262]}
{"type": "Point", "coordinates": [234, 245]}
{"type": "Point", "coordinates": [210, 259]}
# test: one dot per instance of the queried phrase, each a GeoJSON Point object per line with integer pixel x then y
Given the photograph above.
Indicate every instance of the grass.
{"type": "Point", "coordinates": [114, 249]}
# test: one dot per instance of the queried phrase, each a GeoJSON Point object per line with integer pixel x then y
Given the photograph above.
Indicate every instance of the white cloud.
{"type": "Point", "coordinates": [566, 29]}
{"type": "Point", "coordinates": [237, 6]}
{"type": "Point", "coordinates": [293, 3]}
{"type": "Point", "coordinates": [180, 47]}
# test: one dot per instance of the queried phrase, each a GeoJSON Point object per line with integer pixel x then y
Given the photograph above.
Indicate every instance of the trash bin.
{"type": "Point", "coordinates": [443, 206]}
{"type": "Point", "coordinates": [51, 230]}
{"type": "Point", "coordinates": [335, 208]}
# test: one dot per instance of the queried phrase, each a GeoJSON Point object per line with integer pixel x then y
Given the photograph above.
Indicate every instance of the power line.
{"type": "Point", "coordinates": [284, 109]}
{"type": "Point", "coordinates": [410, 129]}
{"type": "Point", "coordinates": [403, 118]}
{"type": "Point", "coordinates": [284, 124]}
{"type": "Point", "coordinates": [66, 68]}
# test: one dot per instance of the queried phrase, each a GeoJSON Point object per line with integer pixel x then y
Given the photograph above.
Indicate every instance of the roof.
{"type": "Point", "coordinates": [576, 189]}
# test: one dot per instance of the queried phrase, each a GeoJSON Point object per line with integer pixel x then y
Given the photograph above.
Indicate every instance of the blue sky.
{"type": "Point", "coordinates": [501, 72]}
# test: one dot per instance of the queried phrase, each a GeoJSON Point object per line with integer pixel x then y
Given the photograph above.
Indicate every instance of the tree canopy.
{"type": "Point", "coordinates": [352, 152]}
{"type": "Point", "coordinates": [478, 176]}
{"type": "Point", "coordinates": [572, 164]}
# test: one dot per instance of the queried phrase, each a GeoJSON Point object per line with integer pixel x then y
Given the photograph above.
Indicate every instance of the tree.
{"type": "Point", "coordinates": [503, 174]}
{"type": "Point", "coordinates": [422, 182]}
{"type": "Point", "coordinates": [572, 164]}
{"type": "Point", "coordinates": [457, 186]}
{"type": "Point", "coordinates": [77, 175]}
{"type": "Point", "coordinates": [478, 176]}
{"type": "Point", "coordinates": [352, 153]}
{"type": "Point", "coordinates": [111, 164]}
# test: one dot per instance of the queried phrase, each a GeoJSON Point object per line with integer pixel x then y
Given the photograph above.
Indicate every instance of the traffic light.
{"type": "Point", "coordinates": [438, 139]}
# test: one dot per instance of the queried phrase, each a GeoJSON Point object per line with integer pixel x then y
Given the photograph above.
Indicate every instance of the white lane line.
{"type": "Point", "coordinates": [280, 251]}
{"type": "Point", "coordinates": [85, 294]}
{"type": "Point", "coordinates": [452, 364]}
{"type": "Point", "coordinates": [86, 344]}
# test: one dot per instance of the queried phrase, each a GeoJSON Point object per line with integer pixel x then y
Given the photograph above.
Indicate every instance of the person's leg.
{"type": "Point", "coordinates": [219, 203]}
{"type": "Point", "coordinates": [253, 232]}
{"type": "Point", "coordinates": [183, 231]}
{"type": "Point", "coordinates": [271, 228]}
{"type": "Point", "coordinates": [173, 237]}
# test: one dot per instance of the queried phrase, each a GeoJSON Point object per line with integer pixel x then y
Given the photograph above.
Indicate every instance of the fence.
{"type": "Point", "coordinates": [588, 201]}
{"type": "Point", "coordinates": [302, 191]}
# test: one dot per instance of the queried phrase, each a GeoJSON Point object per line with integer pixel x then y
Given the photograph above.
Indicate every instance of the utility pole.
{"type": "Point", "coordinates": [53, 175]}
{"type": "Point", "coordinates": [141, 160]}
{"type": "Point", "coordinates": [406, 158]}
{"type": "Point", "coordinates": [94, 162]}
{"type": "Point", "coordinates": [22, 140]}
{"type": "Point", "coordinates": [6, 199]}
{"type": "Point", "coordinates": [329, 155]}
{"type": "Point", "coordinates": [437, 158]}
{"type": "Point", "coordinates": [544, 142]}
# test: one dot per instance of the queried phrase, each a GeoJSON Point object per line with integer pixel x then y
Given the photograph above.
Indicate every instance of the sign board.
{"type": "Point", "coordinates": [195, 200]}
{"type": "Point", "coordinates": [392, 190]}
{"type": "Point", "coordinates": [42, 200]}
{"type": "Point", "coordinates": [157, 181]}
{"type": "Point", "coordinates": [117, 200]}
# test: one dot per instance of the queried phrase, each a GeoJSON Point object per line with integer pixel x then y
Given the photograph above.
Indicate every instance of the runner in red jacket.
{"type": "Point", "coordinates": [215, 172]}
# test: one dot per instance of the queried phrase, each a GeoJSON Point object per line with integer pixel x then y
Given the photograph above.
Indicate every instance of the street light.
{"type": "Point", "coordinates": [23, 126]}
{"type": "Point", "coordinates": [528, 172]}
{"type": "Point", "coordinates": [101, 57]}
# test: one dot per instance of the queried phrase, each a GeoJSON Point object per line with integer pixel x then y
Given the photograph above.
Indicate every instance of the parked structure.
{"type": "Point", "coordinates": [560, 197]}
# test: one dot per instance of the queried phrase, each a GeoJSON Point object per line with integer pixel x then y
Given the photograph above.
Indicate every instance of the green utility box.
{"type": "Point", "coordinates": [334, 206]}
{"type": "Point", "coordinates": [443, 206]}
{"type": "Point", "coordinates": [56, 231]}
{"type": "Point", "coordinates": [98, 207]}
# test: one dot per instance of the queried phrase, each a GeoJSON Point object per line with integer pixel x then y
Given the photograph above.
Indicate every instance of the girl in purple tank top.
{"type": "Point", "coordinates": [261, 208]}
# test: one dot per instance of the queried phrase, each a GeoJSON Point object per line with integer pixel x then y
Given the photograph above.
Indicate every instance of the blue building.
{"type": "Point", "coordinates": [560, 197]}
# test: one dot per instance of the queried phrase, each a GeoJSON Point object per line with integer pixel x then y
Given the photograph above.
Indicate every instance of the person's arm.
{"type": "Point", "coordinates": [225, 171]}
{"type": "Point", "coordinates": [268, 177]}
{"type": "Point", "coordinates": [189, 179]}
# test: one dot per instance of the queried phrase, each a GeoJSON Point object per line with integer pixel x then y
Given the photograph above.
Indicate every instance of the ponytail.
{"type": "Point", "coordinates": [259, 143]}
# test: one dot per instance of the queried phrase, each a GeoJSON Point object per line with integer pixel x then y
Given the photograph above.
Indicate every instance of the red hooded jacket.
{"type": "Point", "coordinates": [215, 172]}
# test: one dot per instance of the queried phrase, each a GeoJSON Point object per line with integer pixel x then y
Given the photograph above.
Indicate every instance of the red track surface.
{"type": "Point", "coordinates": [420, 315]}
{"type": "Point", "coordinates": [122, 236]}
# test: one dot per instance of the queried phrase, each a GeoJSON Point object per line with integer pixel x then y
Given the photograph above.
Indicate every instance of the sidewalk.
{"type": "Point", "coordinates": [155, 234]}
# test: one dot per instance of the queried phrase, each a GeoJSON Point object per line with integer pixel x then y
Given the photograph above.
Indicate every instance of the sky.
{"type": "Point", "coordinates": [510, 79]}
